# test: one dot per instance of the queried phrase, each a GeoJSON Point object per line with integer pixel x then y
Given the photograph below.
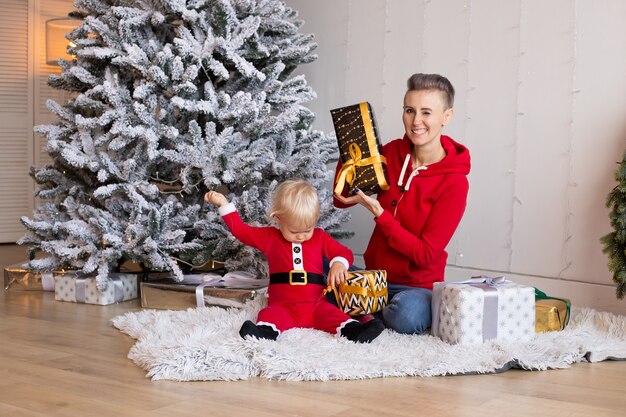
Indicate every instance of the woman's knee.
{"type": "Point", "coordinates": [409, 312]}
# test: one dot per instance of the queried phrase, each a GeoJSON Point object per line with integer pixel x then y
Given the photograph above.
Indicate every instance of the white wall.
{"type": "Point", "coordinates": [540, 102]}
{"type": "Point", "coordinates": [23, 94]}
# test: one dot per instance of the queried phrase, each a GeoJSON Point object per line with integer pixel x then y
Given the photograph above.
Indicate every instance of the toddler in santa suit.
{"type": "Point", "coordinates": [295, 252]}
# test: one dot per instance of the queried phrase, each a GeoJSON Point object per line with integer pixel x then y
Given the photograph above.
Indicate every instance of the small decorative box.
{"type": "Point", "coordinates": [232, 289]}
{"type": "Point", "coordinates": [551, 313]}
{"type": "Point", "coordinates": [362, 165]}
{"type": "Point", "coordinates": [364, 292]}
{"type": "Point", "coordinates": [82, 289]}
{"type": "Point", "coordinates": [481, 309]}
{"type": "Point", "coordinates": [168, 295]}
{"type": "Point", "coordinates": [19, 277]}
{"type": "Point", "coordinates": [208, 267]}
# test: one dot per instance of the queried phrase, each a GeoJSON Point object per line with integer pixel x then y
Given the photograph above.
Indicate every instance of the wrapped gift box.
{"type": "Point", "coordinates": [19, 277]}
{"type": "Point", "coordinates": [551, 313]}
{"type": "Point", "coordinates": [166, 294]}
{"type": "Point", "coordinates": [363, 292]}
{"type": "Point", "coordinates": [75, 288]}
{"type": "Point", "coordinates": [209, 267]}
{"type": "Point", "coordinates": [362, 165]}
{"type": "Point", "coordinates": [481, 309]}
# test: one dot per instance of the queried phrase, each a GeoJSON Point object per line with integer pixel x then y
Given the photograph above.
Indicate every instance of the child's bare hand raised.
{"type": "Point", "coordinates": [337, 275]}
{"type": "Point", "coordinates": [216, 198]}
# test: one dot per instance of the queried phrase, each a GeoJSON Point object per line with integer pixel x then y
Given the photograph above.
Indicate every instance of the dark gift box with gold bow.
{"type": "Point", "coordinates": [362, 165]}
{"type": "Point", "coordinates": [364, 292]}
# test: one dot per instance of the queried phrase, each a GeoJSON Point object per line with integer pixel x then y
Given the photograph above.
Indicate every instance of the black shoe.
{"type": "Point", "coordinates": [363, 332]}
{"type": "Point", "coordinates": [260, 331]}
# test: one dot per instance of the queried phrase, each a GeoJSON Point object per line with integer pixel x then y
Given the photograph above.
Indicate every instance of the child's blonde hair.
{"type": "Point", "coordinates": [297, 201]}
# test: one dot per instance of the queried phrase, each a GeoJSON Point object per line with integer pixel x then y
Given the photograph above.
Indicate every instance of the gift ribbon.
{"type": "Point", "coordinates": [373, 146]}
{"type": "Point", "coordinates": [490, 307]}
{"type": "Point", "coordinates": [81, 287]}
{"type": "Point", "coordinates": [347, 174]}
{"type": "Point", "coordinates": [47, 281]}
{"type": "Point", "coordinates": [200, 290]}
{"type": "Point", "coordinates": [348, 169]}
{"type": "Point", "coordinates": [543, 296]}
{"type": "Point", "coordinates": [369, 291]}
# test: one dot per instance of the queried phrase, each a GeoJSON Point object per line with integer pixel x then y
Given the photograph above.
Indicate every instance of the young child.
{"type": "Point", "coordinates": [295, 252]}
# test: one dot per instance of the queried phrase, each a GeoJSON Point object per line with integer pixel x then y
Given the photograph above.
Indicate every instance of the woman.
{"type": "Point", "coordinates": [416, 218]}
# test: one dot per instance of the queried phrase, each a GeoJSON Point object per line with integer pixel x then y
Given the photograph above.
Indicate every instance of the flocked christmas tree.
{"type": "Point", "coordinates": [615, 242]}
{"type": "Point", "coordinates": [172, 98]}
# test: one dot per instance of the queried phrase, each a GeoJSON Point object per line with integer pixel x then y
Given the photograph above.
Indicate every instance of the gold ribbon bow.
{"type": "Point", "coordinates": [369, 291]}
{"type": "Point", "coordinates": [347, 174]}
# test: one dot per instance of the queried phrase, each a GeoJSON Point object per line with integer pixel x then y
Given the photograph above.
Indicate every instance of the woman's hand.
{"type": "Point", "coordinates": [216, 198]}
{"type": "Point", "coordinates": [337, 274]}
{"type": "Point", "coordinates": [366, 201]}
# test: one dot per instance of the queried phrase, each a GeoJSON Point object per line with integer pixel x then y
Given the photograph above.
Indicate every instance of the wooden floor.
{"type": "Point", "coordinates": [65, 359]}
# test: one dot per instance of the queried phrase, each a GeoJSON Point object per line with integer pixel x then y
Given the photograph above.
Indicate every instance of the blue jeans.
{"type": "Point", "coordinates": [408, 309]}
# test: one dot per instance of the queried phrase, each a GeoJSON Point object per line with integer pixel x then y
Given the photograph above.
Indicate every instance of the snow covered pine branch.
{"type": "Point", "coordinates": [171, 98]}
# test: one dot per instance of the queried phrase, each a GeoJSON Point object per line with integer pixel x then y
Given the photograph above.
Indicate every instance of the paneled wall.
{"type": "Point", "coordinates": [23, 94]}
{"type": "Point", "coordinates": [540, 102]}
{"type": "Point", "coordinates": [16, 116]}
{"type": "Point", "coordinates": [541, 94]}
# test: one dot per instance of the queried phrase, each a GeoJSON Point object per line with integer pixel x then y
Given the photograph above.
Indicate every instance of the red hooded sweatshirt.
{"type": "Point", "coordinates": [423, 208]}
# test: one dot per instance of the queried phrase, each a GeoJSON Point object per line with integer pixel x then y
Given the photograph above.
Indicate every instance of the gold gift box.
{"type": "Point", "coordinates": [210, 266]}
{"type": "Point", "coordinates": [363, 292]}
{"type": "Point", "coordinates": [168, 295]}
{"type": "Point", "coordinates": [17, 277]}
{"type": "Point", "coordinates": [362, 165]}
{"type": "Point", "coordinates": [550, 315]}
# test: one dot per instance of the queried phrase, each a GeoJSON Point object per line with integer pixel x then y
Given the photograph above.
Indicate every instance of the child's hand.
{"type": "Point", "coordinates": [337, 275]}
{"type": "Point", "coordinates": [216, 198]}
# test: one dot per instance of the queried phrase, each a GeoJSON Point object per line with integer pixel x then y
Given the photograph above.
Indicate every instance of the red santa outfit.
{"type": "Point", "coordinates": [422, 210]}
{"type": "Point", "coordinates": [298, 304]}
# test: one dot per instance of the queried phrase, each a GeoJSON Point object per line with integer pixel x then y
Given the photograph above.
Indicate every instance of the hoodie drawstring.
{"type": "Point", "coordinates": [413, 174]}
{"type": "Point", "coordinates": [406, 164]}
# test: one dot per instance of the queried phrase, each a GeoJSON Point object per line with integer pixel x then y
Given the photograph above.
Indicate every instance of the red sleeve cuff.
{"type": "Point", "coordinates": [384, 218]}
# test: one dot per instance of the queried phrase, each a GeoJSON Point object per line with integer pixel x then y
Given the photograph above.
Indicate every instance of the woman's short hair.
{"type": "Point", "coordinates": [417, 82]}
{"type": "Point", "coordinates": [297, 201]}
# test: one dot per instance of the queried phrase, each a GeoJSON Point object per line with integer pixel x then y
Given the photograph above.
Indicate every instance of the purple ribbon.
{"type": "Point", "coordinates": [490, 308]}
{"type": "Point", "coordinates": [47, 281]}
{"type": "Point", "coordinates": [200, 290]}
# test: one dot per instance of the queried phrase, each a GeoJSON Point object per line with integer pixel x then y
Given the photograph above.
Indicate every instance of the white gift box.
{"type": "Point", "coordinates": [481, 309]}
{"type": "Point", "coordinates": [79, 289]}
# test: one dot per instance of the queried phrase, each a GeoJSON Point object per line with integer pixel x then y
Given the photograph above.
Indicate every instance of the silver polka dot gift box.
{"type": "Point", "coordinates": [82, 289]}
{"type": "Point", "coordinates": [481, 309]}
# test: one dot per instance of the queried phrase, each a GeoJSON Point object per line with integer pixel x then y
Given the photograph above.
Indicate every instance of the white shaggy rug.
{"type": "Point", "coordinates": [204, 344]}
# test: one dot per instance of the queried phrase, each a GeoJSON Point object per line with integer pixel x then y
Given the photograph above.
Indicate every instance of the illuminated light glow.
{"type": "Point", "coordinates": [56, 43]}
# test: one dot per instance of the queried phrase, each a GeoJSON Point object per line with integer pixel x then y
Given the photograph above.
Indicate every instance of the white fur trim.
{"type": "Point", "coordinates": [341, 259]}
{"type": "Point", "coordinates": [272, 325]}
{"type": "Point", "coordinates": [227, 209]}
{"type": "Point", "coordinates": [342, 325]}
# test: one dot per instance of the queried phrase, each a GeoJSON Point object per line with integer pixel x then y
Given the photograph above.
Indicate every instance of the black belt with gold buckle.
{"type": "Point", "coordinates": [296, 278]}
